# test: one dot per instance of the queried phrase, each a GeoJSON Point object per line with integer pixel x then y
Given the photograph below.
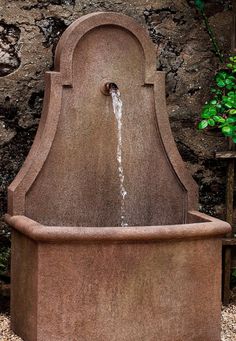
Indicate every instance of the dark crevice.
{"type": "Point", "coordinates": [164, 10]}
{"type": "Point", "coordinates": [180, 20]}
{"type": "Point", "coordinates": [187, 153]}
{"type": "Point", "coordinates": [36, 102]}
{"type": "Point", "coordinates": [211, 195]}
{"type": "Point", "coordinates": [52, 28]}
{"type": "Point", "coordinates": [38, 6]}
{"type": "Point", "coordinates": [45, 3]}
{"type": "Point", "coordinates": [12, 156]}
{"type": "Point", "coordinates": [9, 37]}
{"type": "Point", "coordinates": [8, 113]}
{"type": "Point", "coordinates": [193, 91]}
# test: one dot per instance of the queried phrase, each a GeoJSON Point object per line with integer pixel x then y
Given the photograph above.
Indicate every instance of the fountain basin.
{"type": "Point", "coordinates": [136, 283]}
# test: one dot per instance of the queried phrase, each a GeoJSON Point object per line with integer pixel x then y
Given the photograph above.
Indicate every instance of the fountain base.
{"type": "Point", "coordinates": [144, 283]}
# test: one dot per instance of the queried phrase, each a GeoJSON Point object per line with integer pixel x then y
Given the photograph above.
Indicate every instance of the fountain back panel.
{"type": "Point", "coordinates": [82, 276]}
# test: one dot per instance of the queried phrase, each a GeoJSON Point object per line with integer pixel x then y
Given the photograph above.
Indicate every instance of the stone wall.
{"type": "Point", "coordinates": [29, 32]}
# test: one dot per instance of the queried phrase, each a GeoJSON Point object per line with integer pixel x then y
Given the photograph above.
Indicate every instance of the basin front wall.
{"type": "Point", "coordinates": [24, 281]}
{"type": "Point", "coordinates": [112, 291]}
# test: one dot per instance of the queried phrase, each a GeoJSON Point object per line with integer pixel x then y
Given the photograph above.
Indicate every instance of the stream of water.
{"type": "Point", "coordinates": [117, 108]}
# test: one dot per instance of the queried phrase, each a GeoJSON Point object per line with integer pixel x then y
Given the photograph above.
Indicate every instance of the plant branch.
{"type": "Point", "coordinates": [200, 6]}
{"type": "Point", "coordinates": [212, 37]}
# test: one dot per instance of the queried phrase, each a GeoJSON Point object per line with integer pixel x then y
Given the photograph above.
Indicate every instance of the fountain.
{"type": "Point", "coordinates": [77, 274]}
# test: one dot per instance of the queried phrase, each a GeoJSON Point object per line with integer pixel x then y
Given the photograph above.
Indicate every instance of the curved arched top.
{"type": "Point", "coordinates": [76, 31]}
{"type": "Point", "coordinates": [71, 168]}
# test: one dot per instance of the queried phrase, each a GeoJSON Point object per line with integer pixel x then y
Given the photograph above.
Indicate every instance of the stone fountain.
{"type": "Point", "coordinates": [76, 273]}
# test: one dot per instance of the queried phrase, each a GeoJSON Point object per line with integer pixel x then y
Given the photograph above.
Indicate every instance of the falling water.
{"type": "Point", "coordinates": [117, 108]}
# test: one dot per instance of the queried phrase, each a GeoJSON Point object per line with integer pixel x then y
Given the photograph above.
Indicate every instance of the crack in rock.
{"type": "Point", "coordinates": [52, 28]}
{"type": "Point", "coordinates": [45, 3]}
{"type": "Point", "coordinates": [9, 48]}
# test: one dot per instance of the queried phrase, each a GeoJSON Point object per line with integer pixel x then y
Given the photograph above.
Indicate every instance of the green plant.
{"type": "Point", "coordinates": [220, 110]}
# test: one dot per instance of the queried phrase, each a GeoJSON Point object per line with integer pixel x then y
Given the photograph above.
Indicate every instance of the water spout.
{"type": "Point", "coordinates": [108, 87]}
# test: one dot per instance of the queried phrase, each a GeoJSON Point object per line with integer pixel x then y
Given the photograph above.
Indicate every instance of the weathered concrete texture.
{"type": "Point", "coordinates": [29, 33]}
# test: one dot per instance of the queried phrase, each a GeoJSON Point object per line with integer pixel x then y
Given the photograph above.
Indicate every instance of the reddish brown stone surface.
{"type": "Point", "coordinates": [98, 281]}
{"type": "Point", "coordinates": [72, 164]}
{"type": "Point", "coordinates": [135, 283]}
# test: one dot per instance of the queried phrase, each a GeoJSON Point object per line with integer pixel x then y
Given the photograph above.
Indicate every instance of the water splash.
{"type": "Point", "coordinates": [117, 108]}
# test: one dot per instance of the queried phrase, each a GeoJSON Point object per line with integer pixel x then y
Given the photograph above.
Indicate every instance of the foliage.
{"type": "Point", "coordinates": [4, 259]}
{"type": "Point", "coordinates": [220, 111]}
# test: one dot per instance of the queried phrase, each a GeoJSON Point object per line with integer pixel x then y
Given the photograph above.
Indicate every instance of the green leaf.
{"type": "Point", "coordinates": [234, 139]}
{"type": "Point", "coordinates": [220, 83]}
{"type": "Point", "coordinates": [229, 86]}
{"type": "Point", "coordinates": [227, 130]}
{"type": "Point", "coordinates": [218, 119]}
{"type": "Point", "coordinates": [230, 100]}
{"type": "Point", "coordinates": [228, 81]}
{"type": "Point", "coordinates": [206, 115]}
{"type": "Point", "coordinates": [203, 124]}
{"type": "Point", "coordinates": [199, 4]}
{"type": "Point", "coordinates": [222, 74]}
{"type": "Point", "coordinates": [218, 92]}
{"type": "Point", "coordinates": [229, 104]}
{"type": "Point", "coordinates": [230, 120]}
{"type": "Point", "coordinates": [232, 111]}
{"type": "Point", "coordinates": [212, 110]}
{"type": "Point", "coordinates": [211, 122]}
{"type": "Point", "coordinates": [231, 93]}
{"type": "Point", "coordinates": [229, 66]}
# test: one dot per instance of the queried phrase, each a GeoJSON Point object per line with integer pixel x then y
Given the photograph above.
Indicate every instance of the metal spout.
{"type": "Point", "coordinates": [108, 87]}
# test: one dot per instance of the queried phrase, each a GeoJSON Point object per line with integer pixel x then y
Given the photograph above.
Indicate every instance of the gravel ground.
{"type": "Point", "coordinates": [228, 323]}
{"type": "Point", "coordinates": [5, 333]}
{"type": "Point", "coordinates": [228, 326]}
